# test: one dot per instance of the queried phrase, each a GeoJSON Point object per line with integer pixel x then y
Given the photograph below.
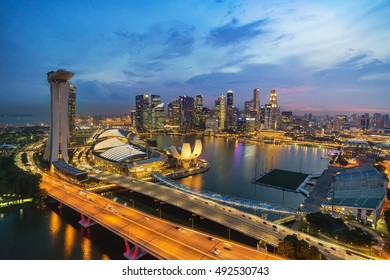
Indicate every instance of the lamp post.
{"type": "Point", "coordinates": [229, 233]}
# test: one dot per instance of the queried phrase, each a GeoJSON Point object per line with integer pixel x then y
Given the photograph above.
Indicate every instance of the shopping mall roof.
{"type": "Point", "coordinates": [115, 132]}
{"type": "Point", "coordinates": [282, 179]}
{"type": "Point", "coordinates": [109, 143]}
{"type": "Point", "coordinates": [67, 168]}
{"type": "Point", "coordinates": [356, 143]}
{"type": "Point", "coordinates": [121, 153]}
{"type": "Point", "coordinates": [360, 186]}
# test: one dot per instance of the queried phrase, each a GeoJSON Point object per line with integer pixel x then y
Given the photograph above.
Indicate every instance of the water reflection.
{"type": "Point", "coordinates": [234, 164]}
{"type": "Point", "coordinates": [69, 241]}
{"type": "Point", "coordinates": [54, 225]}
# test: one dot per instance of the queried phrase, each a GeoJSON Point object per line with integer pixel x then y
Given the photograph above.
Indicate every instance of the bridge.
{"type": "Point", "coordinates": [226, 199]}
{"type": "Point", "coordinates": [248, 224]}
{"type": "Point", "coordinates": [148, 234]}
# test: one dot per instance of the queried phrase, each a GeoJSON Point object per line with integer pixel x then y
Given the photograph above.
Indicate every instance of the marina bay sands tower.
{"type": "Point", "coordinates": [57, 143]}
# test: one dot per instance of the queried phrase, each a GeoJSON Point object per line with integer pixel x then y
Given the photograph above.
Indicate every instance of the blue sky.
{"type": "Point", "coordinates": [320, 56]}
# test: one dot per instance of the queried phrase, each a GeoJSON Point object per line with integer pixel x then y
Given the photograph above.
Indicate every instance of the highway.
{"type": "Point", "coordinates": [248, 224]}
{"type": "Point", "coordinates": [160, 238]}
{"type": "Point", "coordinates": [240, 221]}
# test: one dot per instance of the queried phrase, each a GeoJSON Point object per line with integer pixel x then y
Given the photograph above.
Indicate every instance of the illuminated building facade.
{"type": "Point", "coordinates": [158, 117]}
{"type": "Point", "coordinates": [187, 112]}
{"type": "Point", "coordinates": [199, 120]}
{"type": "Point", "coordinates": [72, 112]}
{"type": "Point", "coordinates": [174, 113]}
{"type": "Point", "coordinates": [275, 111]}
{"type": "Point", "coordinates": [58, 140]}
{"type": "Point", "coordinates": [220, 110]}
{"type": "Point", "coordinates": [142, 109]}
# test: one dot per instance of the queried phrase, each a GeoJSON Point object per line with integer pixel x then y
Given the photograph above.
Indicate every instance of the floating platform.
{"type": "Point", "coordinates": [283, 179]}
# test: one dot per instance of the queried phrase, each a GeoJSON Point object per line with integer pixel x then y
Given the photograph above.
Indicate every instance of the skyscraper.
{"type": "Point", "coordinates": [256, 106]}
{"type": "Point", "coordinates": [198, 111]}
{"type": "Point", "coordinates": [231, 116]}
{"type": "Point", "coordinates": [187, 112]}
{"type": "Point", "coordinates": [220, 110]}
{"type": "Point", "coordinates": [72, 111]}
{"type": "Point", "coordinates": [57, 142]}
{"type": "Point", "coordinates": [158, 117]}
{"type": "Point", "coordinates": [142, 112]}
{"type": "Point", "coordinates": [155, 100]}
{"type": "Point", "coordinates": [174, 113]}
{"type": "Point", "coordinates": [275, 110]}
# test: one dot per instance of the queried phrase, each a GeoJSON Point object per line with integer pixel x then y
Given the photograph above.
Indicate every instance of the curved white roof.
{"type": "Point", "coordinates": [115, 132]}
{"type": "Point", "coordinates": [186, 153]}
{"type": "Point", "coordinates": [109, 143]}
{"type": "Point", "coordinates": [120, 153]}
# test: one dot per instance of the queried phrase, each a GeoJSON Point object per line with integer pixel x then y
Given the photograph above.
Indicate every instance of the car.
{"type": "Point", "coordinates": [307, 239]}
{"type": "Point", "coordinates": [319, 243]}
{"type": "Point", "coordinates": [178, 228]}
{"type": "Point", "coordinates": [215, 251]}
{"type": "Point", "coordinates": [211, 238]}
{"type": "Point", "coordinates": [227, 246]}
{"type": "Point", "coordinates": [264, 222]}
{"type": "Point", "coordinates": [146, 218]}
{"type": "Point", "coordinates": [333, 248]}
{"type": "Point", "coordinates": [275, 227]}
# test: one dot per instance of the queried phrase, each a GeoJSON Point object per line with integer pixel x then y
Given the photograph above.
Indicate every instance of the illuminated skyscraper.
{"type": "Point", "coordinates": [187, 112]}
{"type": "Point", "coordinates": [174, 113]}
{"type": "Point", "coordinates": [256, 104]}
{"type": "Point", "coordinates": [158, 117]}
{"type": "Point", "coordinates": [275, 110]}
{"type": "Point", "coordinates": [142, 112]}
{"type": "Point", "coordinates": [72, 111]}
{"type": "Point", "coordinates": [198, 111]}
{"type": "Point", "coordinates": [231, 116]}
{"type": "Point", "coordinates": [58, 140]}
{"type": "Point", "coordinates": [220, 110]}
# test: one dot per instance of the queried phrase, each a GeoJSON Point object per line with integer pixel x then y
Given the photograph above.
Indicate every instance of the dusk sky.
{"type": "Point", "coordinates": [320, 56]}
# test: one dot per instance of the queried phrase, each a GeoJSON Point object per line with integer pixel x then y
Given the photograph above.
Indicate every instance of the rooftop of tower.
{"type": "Point", "coordinates": [59, 75]}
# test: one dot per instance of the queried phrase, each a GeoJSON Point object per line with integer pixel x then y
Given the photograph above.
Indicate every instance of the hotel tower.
{"type": "Point", "coordinates": [57, 143]}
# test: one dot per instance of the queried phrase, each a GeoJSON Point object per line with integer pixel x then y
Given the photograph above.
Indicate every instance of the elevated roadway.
{"type": "Point", "coordinates": [250, 225]}
{"type": "Point", "coordinates": [160, 238]}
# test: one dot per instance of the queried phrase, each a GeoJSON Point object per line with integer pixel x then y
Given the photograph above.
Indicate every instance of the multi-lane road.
{"type": "Point", "coordinates": [243, 222]}
{"type": "Point", "coordinates": [160, 238]}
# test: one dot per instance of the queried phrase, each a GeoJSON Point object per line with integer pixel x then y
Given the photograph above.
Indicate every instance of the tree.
{"type": "Point", "coordinates": [293, 248]}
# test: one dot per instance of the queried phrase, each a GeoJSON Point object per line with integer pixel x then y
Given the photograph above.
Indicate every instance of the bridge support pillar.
{"type": "Point", "coordinates": [86, 221]}
{"type": "Point", "coordinates": [61, 205]}
{"type": "Point", "coordinates": [133, 253]}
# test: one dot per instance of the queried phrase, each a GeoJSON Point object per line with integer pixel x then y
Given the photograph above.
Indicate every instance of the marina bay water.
{"type": "Point", "coordinates": [55, 234]}
{"type": "Point", "coordinates": [234, 165]}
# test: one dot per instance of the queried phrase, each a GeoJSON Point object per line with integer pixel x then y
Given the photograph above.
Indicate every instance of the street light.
{"type": "Point", "coordinates": [229, 233]}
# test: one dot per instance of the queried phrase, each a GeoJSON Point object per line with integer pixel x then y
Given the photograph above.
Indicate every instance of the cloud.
{"type": "Point", "coordinates": [232, 33]}
{"type": "Point", "coordinates": [179, 40]}
{"type": "Point", "coordinates": [378, 76]}
{"type": "Point", "coordinates": [160, 41]}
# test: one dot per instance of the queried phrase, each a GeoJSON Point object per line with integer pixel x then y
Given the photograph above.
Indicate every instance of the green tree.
{"type": "Point", "coordinates": [293, 248]}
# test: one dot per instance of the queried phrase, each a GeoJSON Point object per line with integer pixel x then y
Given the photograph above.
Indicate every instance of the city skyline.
{"type": "Point", "coordinates": [324, 57]}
